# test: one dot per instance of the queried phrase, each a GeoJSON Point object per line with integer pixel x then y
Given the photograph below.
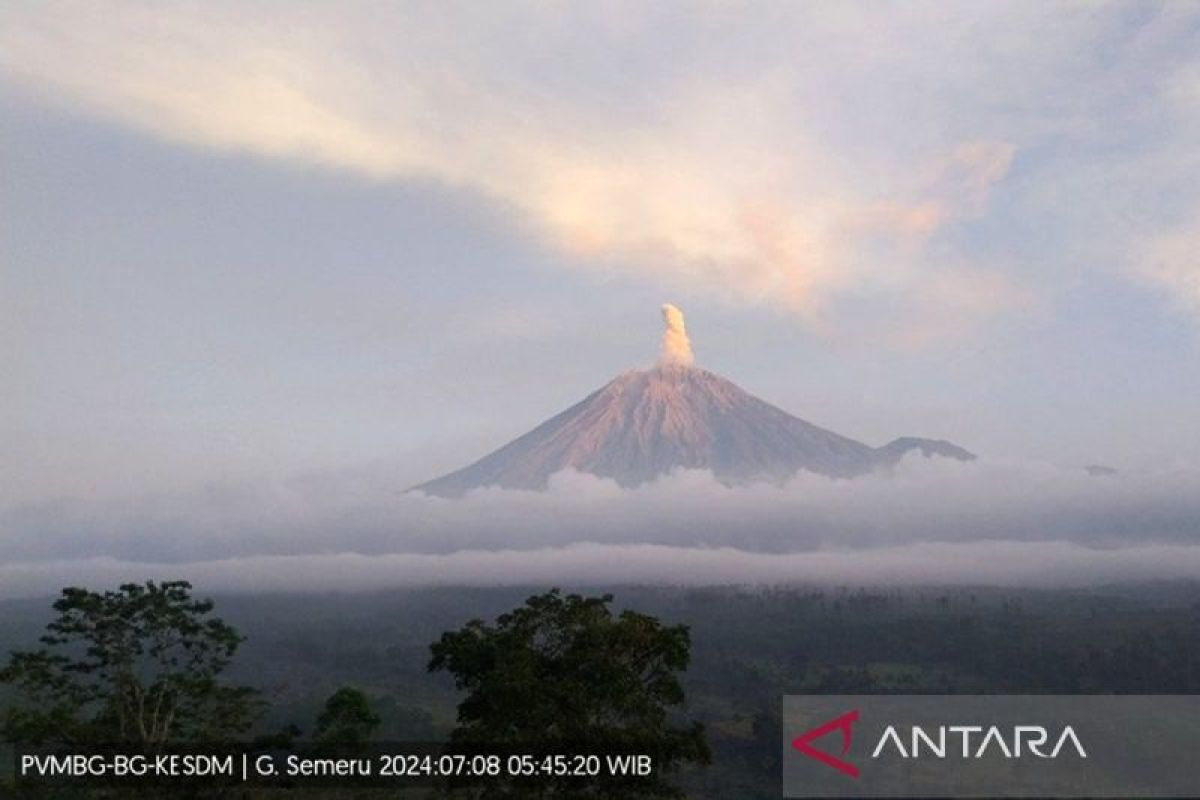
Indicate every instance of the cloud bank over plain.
{"type": "Point", "coordinates": [814, 159]}
{"type": "Point", "coordinates": [933, 520]}
{"type": "Point", "coordinates": [1008, 564]}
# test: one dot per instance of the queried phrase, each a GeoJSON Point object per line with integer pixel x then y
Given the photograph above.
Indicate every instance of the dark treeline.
{"type": "Point", "coordinates": [748, 647]}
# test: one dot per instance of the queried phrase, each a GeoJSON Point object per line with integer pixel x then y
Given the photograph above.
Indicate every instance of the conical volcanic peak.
{"type": "Point", "coordinates": [645, 423]}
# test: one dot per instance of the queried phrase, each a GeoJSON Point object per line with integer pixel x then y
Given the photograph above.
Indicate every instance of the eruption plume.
{"type": "Point", "coordinates": [676, 348]}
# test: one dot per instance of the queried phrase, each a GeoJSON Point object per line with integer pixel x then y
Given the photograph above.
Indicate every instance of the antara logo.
{"type": "Point", "coordinates": [845, 724]}
{"type": "Point", "coordinates": [1021, 740]}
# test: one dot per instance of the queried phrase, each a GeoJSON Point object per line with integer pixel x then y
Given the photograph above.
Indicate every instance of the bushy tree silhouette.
{"type": "Point", "coordinates": [563, 675]}
{"type": "Point", "coordinates": [347, 719]}
{"type": "Point", "coordinates": [140, 666]}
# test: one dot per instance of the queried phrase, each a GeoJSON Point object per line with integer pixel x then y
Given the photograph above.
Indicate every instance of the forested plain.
{"type": "Point", "coordinates": [749, 646]}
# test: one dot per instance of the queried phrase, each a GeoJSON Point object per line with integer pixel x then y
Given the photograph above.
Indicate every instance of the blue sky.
{"type": "Point", "coordinates": [269, 239]}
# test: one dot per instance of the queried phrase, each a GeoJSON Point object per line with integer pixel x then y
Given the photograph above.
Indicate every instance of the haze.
{"type": "Point", "coordinates": [254, 245]}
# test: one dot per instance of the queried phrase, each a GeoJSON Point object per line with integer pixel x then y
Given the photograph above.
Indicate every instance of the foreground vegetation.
{"type": "Point", "coordinates": [747, 648]}
{"type": "Point", "coordinates": [140, 669]}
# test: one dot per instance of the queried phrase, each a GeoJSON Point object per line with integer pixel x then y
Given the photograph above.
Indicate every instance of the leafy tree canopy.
{"type": "Point", "coordinates": [139, 665]}
{"type": "Point", "coordinates": [347, 719]}
{"type": "Point", "coordinates": [563, 673]}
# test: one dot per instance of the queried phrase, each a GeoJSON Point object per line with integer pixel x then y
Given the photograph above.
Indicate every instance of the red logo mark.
{"type": "Point", "coordinates": [844, 723]}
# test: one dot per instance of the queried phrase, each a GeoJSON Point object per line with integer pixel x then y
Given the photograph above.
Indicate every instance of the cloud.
{"type": "Point", "coordinates": [983, 563]}
{"type": "Point", "coordinates": [725, 171]}
{"type": "Point", "coordinates": [802, 157]}
{"type": "Point", "coordinates": [1171, 262]}
{"type": "Point", "coordinates": [951, 512]}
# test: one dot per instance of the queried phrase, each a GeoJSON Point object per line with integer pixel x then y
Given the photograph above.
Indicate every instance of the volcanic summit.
{"type": "Point", "coordinates": [645, 423]}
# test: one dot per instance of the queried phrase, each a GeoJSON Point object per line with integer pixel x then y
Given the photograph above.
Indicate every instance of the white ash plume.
{"type": "Point", "coordinates": [676, 347]}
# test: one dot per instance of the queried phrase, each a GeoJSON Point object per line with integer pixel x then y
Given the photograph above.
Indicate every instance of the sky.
{"type": "Point", "coordinates": [255, 243]}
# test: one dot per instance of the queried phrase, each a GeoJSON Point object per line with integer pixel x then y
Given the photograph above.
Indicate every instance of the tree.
{"type": "Point", "coordinates": [347, 719]}
{"type": "Point", "coordinates": [563, 675]}
{"type": "Point", "coordinates": [136, 666]}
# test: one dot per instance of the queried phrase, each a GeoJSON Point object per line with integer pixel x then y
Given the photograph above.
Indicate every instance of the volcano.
{"type": "Point", "coordinates": [646, 423]}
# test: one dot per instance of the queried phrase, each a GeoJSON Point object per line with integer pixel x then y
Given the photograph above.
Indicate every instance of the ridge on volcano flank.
{"type": "Point", "coordinates": [645, 423]}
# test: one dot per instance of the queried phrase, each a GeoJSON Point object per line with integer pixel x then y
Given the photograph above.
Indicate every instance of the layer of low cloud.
{"type": "Point", "coordinates": [1037, 564]}
{"type": "Point", "coordinates": [931, 519]}
{"type": "Point", "coordinates": [804, 156]}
